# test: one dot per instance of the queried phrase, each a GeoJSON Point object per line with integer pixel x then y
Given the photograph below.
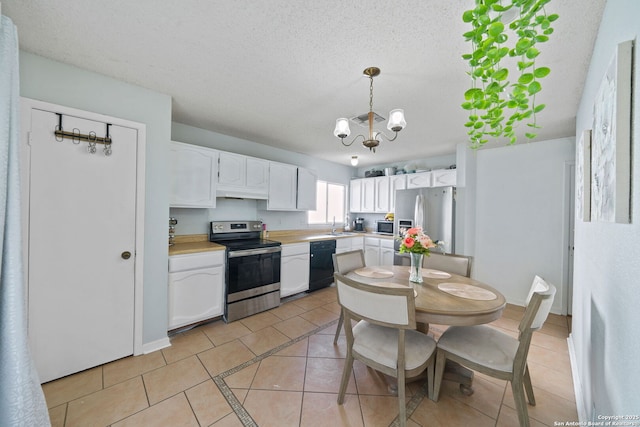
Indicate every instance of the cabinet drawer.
{"type": "Point", "coordinates": [386, 243]}
{"type": "Point", "coordinates": [295, 249]}
{"type": "Point", "coordinates": [199, 260]}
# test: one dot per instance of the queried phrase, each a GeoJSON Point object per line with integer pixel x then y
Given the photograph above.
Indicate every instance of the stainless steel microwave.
{"type": "Point", "coordinates": [384, 227]}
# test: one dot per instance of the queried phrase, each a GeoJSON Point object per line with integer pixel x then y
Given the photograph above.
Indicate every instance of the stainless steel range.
{"type": "Point", "coordinates": [252, 268]}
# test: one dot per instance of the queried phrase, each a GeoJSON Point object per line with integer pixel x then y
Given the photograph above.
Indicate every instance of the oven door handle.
{"type": "Point", "coordinates": [259, 251]}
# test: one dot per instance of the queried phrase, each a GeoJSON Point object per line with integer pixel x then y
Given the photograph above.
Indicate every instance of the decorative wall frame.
{"type": "Point", "coordinates": [583, 177]}
{"type": "Point", "coordinates": [611, 141]}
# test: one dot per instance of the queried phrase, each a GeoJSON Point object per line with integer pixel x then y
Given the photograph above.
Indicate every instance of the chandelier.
{"type": "Point", "coordinates": [395, 123]}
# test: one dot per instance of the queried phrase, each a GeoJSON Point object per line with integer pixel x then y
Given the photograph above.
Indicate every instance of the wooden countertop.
{"type": "Point", "coordinates": [194, 243]}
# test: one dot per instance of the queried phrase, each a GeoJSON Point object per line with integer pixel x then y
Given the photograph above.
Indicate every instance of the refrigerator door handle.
{"type": "Point", "coordinates": [418, 214]}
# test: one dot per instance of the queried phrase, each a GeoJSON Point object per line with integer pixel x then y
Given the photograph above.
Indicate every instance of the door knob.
{"type": "Point", "coordinates": [125, 255]}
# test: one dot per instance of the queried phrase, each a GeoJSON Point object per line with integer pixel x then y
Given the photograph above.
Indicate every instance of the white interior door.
{"type": "Point", "coordinates": [81, 219]}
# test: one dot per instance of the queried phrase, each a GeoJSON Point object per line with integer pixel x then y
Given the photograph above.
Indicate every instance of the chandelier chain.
{"type": "Point", "coordinates": [371, 93]}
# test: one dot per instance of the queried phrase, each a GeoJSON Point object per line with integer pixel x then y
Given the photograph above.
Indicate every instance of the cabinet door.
{"type": "Point", "coordinates": [194, 173]}
{"type": "Point", "coordinates": [294, 274]}
{"type": "Point", "coordinates": [368, 195]}
{"type": "Point", "coordinates": [444, 177]}
{"type": "Point", "coordinates": [386, 252]}
{"type": "Point", "coordinates": [419, 180]}
{"type": "Point", "coordinates": [257, 176]}
{"type": "Point", "coordinates": [195, 295]}
{"type": "Point", "coordinates": [371, 251]}
{"type": "Point", "coordinates": [355, 195]}
{"type": "Point", "coordinates": [233, 170]}
{"type": "Point", "coordinates": [307, 189]}
{"type": "Point", "coordinates": [283, 181]}
{"type": "Point", "coordinates": [381, 194]}
{"type": "Point", "coordinates": [396, 182]}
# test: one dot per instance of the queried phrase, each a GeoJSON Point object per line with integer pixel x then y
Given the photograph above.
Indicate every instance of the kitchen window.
{"type": "Point", "coordinates": [331, 202]}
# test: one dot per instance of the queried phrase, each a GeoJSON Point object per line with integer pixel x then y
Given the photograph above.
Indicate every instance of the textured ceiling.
{"type": "Point", "coordinates": [279, 72]}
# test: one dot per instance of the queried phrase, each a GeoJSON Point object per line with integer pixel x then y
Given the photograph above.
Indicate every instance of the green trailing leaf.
{"type": "Point", "coordinates": [495, 29]}
{"type": "Point", "coordinates": [534, 88]}
{"type": "Point", "coordinates": [530, 135]}
{"type": "Point", "coordinates": [532, 53]}
{"type": "Point", "coordinates": [542, 72]}
{"type": "Point", "coordinates": [501, 74]}
{"type": "Point", "coordinates": [467, 16]}
{"type": "Point", "coordinates": [539, 108]}
{"type": "Point", "coordinates": [526, 78]}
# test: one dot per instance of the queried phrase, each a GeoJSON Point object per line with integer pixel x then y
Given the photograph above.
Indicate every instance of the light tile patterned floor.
{"type": "Point", "coordinates": [280, 368]}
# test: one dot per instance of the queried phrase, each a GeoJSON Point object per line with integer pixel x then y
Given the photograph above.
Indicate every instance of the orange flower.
{"type": "Point", "coordinates": [409, 242]}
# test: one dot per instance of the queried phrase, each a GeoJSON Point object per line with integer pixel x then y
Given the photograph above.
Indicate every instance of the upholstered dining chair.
{"type": "Point", "coordinates": [451, 263]}
{"type": "Point", "coordinates": [494, 353]}
{"type": "Point", "coordinates": [344, 263]}
{"type": "Point", "coordinates": [385, 338]}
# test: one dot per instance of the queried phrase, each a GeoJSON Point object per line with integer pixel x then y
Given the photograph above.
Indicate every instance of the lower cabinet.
{"type": "Point", "coordinates": [196, 287]}
{"type": "Point", "coordinates": [378, 251]}
{"type": "Point", "coordinates": [294, 270]}
{"type": "Point", "coordinates": [346, 244]}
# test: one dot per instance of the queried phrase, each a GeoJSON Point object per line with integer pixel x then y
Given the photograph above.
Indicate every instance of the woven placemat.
{"type": "Point", "coordinates": [374, 272]}
{"type": "Point", "coordinates": [464, 290]}
{"type": "Point", "coordinates": [435, 274]}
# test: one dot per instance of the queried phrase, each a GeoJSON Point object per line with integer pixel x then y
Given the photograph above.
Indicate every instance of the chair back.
{"type": "Point", "coordinates": [539, 303]}
{"type": "Point", "coordinates": [390, 305]}
{"type": "Point", "coordinates": [451, 263]}
{"type": "Point", "coordinates": [348, 261]}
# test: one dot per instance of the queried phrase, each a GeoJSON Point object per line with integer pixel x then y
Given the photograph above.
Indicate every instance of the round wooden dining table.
{"type": "Point", "coordinates": [444, 299]}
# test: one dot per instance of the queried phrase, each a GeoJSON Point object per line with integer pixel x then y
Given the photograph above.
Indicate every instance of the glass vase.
{"type": "Point", "coordinates": [415, 274]}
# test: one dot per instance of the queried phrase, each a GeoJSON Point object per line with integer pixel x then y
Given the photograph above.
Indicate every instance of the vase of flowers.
{"type": "Point", "coordinates": [417, 244]}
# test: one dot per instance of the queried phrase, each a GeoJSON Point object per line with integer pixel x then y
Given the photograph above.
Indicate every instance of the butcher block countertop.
{"type": "Point", "coordinates": [194, 243]}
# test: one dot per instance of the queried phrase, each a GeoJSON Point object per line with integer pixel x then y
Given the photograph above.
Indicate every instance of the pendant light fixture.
{"type": "Point", "coordinates": [354, 160]}
{"type": "Point", "coordinates": [395, 123]}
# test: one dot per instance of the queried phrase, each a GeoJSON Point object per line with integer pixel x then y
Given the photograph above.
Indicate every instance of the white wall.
{"type": "Point", "coordinates": [520, 218]}
{"type": "Point", "coordinates": [51, 81]}
{"type": "Point", "coordinates": [605, 333]}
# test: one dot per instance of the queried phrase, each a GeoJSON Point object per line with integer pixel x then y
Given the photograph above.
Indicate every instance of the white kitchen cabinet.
{"type": "Point", "coordinates": [386, 252]}
{"type": "Point", "coordinates": [307, 189]}
{"type": "Point", "coordinates": [443, 177]}
{"type": "Point", "coordinates": [419, 180]}
{"type": "Point", "coordinates": [294, 271]}
{"type": "Point", "coordinates": [381, 188]}
{"type": "Point", "coordinates": [371, 251]}
{"type": "Point", "coordinates": [355, 195]}
{"type": "Point", "coordinates": [368, 195]}
{"type": "Point", "coordinates": [196, 287]}
{"type": "Point", "coordinates": [396, 182]}
{"type": "Point", "coordinates": [242, 176]}
{"type": "Point", "coordinates": [346, 244]}
{"type": "Point", "coordinates": [194, 174]}
{"type": "Point", "coordinates": [378, 251]}
{"type": "Point", "coordinates": [283, 186]}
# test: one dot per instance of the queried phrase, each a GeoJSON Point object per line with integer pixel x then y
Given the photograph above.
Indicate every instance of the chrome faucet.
{"type": "Point", "coordinates": [333, 226]}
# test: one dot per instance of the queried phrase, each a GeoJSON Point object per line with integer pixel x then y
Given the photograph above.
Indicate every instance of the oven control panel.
{"type": "Point", "coordinates": [235, 226]}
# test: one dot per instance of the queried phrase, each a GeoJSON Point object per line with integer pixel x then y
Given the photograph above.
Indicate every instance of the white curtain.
{"type": "Point", "coordinates": [22, 401]}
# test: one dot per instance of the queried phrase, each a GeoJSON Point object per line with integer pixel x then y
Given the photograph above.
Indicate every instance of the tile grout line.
{"type": "Point", "coordinates": [228, 394]}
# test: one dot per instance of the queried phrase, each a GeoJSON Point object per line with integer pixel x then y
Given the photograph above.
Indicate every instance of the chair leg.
{"type": "Point", "coordinates": [441, 360]}
{"type": "Point", "coordinates": [521, 406]}
{"type": "Point", "coordinates": [338, 328]}
{"type": "Point", "coordinates": [528, 386]}
{"type": "Point", "coordinates": [430, 375]}
{"type": "Point", "coordinates": [346, 374]}
{"type": "Point", "coordinates": [402, 413]}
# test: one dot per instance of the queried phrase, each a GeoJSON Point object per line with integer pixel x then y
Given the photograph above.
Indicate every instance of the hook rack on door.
{"type": "Point", "coordinates": [91, 138]}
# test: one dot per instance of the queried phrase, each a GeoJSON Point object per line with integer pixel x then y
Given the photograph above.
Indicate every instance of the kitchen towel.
{"type": "Point", "coordinates": [22, 401]}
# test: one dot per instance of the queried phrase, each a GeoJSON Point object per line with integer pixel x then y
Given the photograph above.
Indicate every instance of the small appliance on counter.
{"type": "Point", "coordinates": [358, 225]}
{"type": "Point", "coordinates": [384, 227]}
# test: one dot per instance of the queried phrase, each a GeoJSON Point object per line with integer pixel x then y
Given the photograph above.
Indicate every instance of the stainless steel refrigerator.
{"type": "Point", "coordinates": [431, 208]}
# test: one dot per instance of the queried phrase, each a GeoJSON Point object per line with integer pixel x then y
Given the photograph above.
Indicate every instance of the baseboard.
{"type": "Point", "coordinates": [150, 347]}
{"type": "Point", "coordinates": [577, 385]}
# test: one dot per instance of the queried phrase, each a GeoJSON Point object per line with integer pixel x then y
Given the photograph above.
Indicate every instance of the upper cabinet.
{"type": "Point", "coordinates": [378, 194]}
{"type": "Point", "coordinates": [443, 177]}
{"type": "Point", "coordinates": [307, 190]}
{"type": "Point", "coordinates": [194, 173]}
{"type": "Point", "coordinates": [291, 188]}
{"type": "Point", "coordinates": [283, 187]}
{"type": "Point", "coordinates": [419, 180]}
{"type": "Point", "coordinates": [242, 176]}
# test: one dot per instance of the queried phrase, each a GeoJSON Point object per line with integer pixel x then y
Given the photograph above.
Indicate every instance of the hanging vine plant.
{"type": "Point", "coordinates": [497, 105]}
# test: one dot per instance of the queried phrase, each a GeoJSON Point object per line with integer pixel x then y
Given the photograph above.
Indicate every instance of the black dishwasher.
{"type": "Point", "coordinates": [321, 264]}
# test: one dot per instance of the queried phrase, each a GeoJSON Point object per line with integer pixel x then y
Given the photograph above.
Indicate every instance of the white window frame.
{"type": "Point", "coordinates": [329, 221]}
